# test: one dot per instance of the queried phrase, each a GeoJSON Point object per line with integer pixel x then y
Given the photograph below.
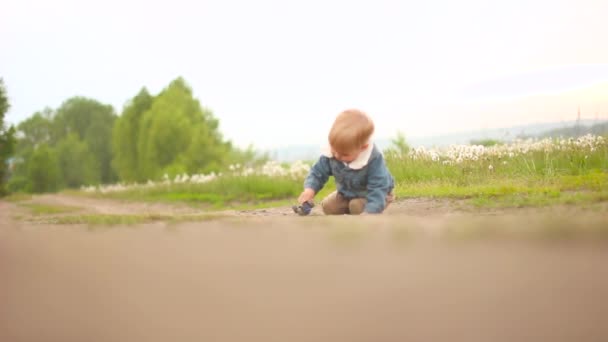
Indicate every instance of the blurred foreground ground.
{"type": "Point", "coordinates": [518, 275]}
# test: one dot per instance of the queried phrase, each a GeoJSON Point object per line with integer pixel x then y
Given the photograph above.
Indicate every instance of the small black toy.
{"type": "Point", "coordinates": [303, 209]}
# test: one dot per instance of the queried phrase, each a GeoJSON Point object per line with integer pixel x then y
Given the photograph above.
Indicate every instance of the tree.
{"type": "Point", "coordinates": [92, 122]}
{"type": "Point", "coordinates": [177, 135]}
{"type": "Point", "coordinates": [399, 146]}
{"type": "Point", "coordinates": [247, 156]}
{"type": "Point", "coordinates": [125, 137]}
{"type": "Point", "coordinates": [7, 139]}
{"type": "Point", "coordinates": [38, 129]}
{"type": "Point", "coordinates": [78, 166]}
{"type": "Point", "coordinates": [33, 132]}
{"type": "Point", "coordinates": [485, 142]}
{"type": "Point", "coordinates": [76, 139]}
{"type": "Point", "coordinates": [43, 170]}
{"type": "Point", "coordinates": [205, 153]}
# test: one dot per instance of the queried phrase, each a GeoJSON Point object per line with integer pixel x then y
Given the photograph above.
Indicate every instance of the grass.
{"type": "Point", "coordinates": [237, 193]}
{"type": "Point", "coordinates": [490, 191]}
{"type": "Point", "coordinates": [17, 197]}
{"type": "Point", "coordinates": [112, 220]}
{"type": "Point", "coordinates": [46, 209]}
{"type": "Point", "coordinates": [219, 193]}
{"type": "Point", "coordinates": [540, 200]}
{"type": "Point", "coordinates": [534, 179]}
{"type": "Point", "coordinates": [500, 191]}
{"type": "Point", "coordinates": [573, 175]}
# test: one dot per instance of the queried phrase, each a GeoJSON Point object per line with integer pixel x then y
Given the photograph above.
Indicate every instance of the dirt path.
{"type": "Point", "coordinates": [427, 270]}
{"type": "Point", "coordinates": [88, 205]}
{"type": "Point", "coordinates": [112, 207]}
{"type": "Point", "coordinates": [413, 206]}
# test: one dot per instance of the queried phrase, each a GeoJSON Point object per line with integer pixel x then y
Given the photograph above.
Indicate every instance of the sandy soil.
{"type": "Point", "coordinates": [272, 276]}
{"type": "Point", "coordinates": [424, 207]}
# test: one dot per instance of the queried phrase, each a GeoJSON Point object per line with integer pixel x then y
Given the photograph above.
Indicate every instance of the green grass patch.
{"type": "Point", "coordinates": [490, 191]}
{"type": "Point", "coordinates": [237, 193]}
{"type": "Point", "coordinates": [47, 209]}
{"type": "Point", "coordinates": [112, 220]}
{"type": "Point", "coordinates": [500, 191]}
{"type": "Point", "coordinates": [17, 197]}
{"type": "Point", "coordinates": [540, 199]}
{"type": "Point", "coordinates": [219, 193]}
{"type": "Point", "coordinates": [530, 178]}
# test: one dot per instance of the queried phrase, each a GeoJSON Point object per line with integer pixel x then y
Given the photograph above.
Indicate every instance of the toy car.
{"type": "Point", "coordinates": [303, 209]}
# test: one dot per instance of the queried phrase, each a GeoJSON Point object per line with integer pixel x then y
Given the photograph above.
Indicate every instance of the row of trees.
{"type": "Point", "coordinates": [67, 147]}
{"type": "Point", "coordinates": [84, 142]}
{"type": "Point", "coordinates": [7, 140]}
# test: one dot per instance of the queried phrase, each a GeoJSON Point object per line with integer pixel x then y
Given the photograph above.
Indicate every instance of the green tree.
{"type": "Point", "coordinates": [178, 135]}
{"type": "Point", "coordinates": [33, 132]}
{"type": "Point", "coordinates": [206, 152]}
{"type": "Point", "coordinates": [7, 139]}
{"type": "Point", "coordinates": [125, 137]}
{"type": "Point", "coordinates": [38, 129]}
{"type": "Point", "coordinates": [92, 122]}
{"type": "Point", "coordinates": [43, 170]}
{"type": "Point", "coordinates": [78, 166]}
{"type": "Point", "coordinates": [77, 139]}
{"type": "Point", "coordinates": [485, 142]}
{"type": "Point", "coordinates": [399, 146]}
{"type": "Point", "coordinates": [247, 156]}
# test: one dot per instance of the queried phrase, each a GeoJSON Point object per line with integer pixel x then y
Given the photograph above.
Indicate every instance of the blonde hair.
{"type": "Point", "coordinates": [351, 130]}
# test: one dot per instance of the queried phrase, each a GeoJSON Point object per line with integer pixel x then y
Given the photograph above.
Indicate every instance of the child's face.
{"type": "Point", "coordinates": [347, 157]}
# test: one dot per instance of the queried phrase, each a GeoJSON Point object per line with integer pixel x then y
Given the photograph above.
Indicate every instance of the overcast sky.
{"type": "Point", "coordinates": [277, 72]}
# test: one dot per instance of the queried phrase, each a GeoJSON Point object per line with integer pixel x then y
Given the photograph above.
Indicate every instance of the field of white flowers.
{"type": "Point", "coordinates": [272, 169]}
{"type": "Point", "coordinates": [458, 154]}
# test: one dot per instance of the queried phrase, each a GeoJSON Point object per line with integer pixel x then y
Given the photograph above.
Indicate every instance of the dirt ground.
{"type": "Point", "coordinates": [414, 206]}
{"type": "Point", "coordinates": [425, 270]}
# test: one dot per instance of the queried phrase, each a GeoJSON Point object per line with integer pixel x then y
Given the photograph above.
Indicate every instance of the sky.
{"type": "Point", "coordinates": [276, 73]}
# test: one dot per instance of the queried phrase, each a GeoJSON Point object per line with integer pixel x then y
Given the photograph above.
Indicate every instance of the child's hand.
{"type": "Point", "coordinates": [306, 195]}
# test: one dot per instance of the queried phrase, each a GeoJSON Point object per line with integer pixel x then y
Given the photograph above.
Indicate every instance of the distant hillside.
{"type": "Point", "coordinates": [311, 152]}
{"type": "Point", "coordinates": [577, 130]}
{"type": "Point", "coordinates": [503, 134]}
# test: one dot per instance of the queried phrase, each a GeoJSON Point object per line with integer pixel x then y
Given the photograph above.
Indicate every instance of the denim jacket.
{"type": "Point", "coordinates": [372, 180]}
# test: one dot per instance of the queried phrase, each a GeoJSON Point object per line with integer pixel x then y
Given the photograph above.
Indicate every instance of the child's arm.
{"type": "Point", "coordinates": [316, 179]}
{"type": "Point", "coordinates": [378, 183]}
